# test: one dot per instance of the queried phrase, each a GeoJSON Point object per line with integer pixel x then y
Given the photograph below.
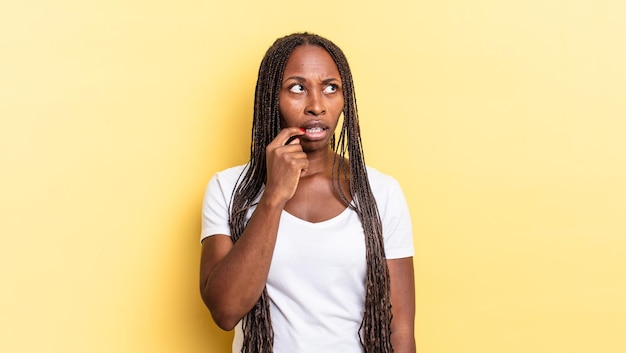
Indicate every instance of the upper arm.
{"type": "Point", "coordinates": [215, 229]}
{"type": "Point", "coordinates": [403, 304]}
{"type": "Point", "coordinates": [214, 249]}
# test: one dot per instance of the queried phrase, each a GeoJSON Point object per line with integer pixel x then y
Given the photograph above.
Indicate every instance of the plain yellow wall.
{"type": "Point", "coordinates": [505, 122]}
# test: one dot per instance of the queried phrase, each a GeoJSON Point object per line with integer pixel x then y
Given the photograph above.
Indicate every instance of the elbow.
{"type": "Point", "coordinates": [222, 317]}
{"type": "Point", "coordinates": [223, 321]}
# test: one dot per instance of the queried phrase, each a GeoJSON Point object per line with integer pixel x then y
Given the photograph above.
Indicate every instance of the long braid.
{"type": "Point", "coordinates": [375, 330]}
{"type": "Point", "coordinates": [376, 323]}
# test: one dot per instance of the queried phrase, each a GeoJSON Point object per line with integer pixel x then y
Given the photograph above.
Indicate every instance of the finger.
{"type": "Point", "coordinates": [293, 140]}
{"type": "Point", "coordinates": [286, 134]}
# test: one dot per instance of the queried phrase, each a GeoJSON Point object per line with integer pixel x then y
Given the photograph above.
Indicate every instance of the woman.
{"type": "Point", "coordinates": [305, 249]}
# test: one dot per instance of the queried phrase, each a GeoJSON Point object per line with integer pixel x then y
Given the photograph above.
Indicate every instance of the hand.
{"type": "Point", "coordinates": [286, 163]}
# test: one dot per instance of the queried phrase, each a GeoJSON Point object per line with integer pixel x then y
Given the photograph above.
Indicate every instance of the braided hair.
{"type": "Point", "coordinates": [375, 329]}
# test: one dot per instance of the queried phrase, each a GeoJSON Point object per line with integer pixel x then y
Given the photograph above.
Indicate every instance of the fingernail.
{"type": "Point", "coordinates": [302, 129]}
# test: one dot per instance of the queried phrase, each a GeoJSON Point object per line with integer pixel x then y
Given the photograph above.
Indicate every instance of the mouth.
{"type": "Point", "coordinates": [314, 132]}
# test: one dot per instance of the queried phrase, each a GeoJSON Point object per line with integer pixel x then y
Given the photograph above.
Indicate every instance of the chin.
{"type": "Point", "coordinates": [312, 146]}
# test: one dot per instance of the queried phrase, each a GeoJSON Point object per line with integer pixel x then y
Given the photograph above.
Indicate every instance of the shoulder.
{"type": "Point", "coordinates": [232, 172]}
{"type": "Point", "coordinates": [215, 207]}
{"type": "Point", "coordinates": [225, 181]}
{"type": "Point", "coordinates": [230, 175]}
{"type": "Point", "coordinates": [381, 182]}
{"type": "Point", "coordinates": [394, 214]}
{"type": "Point", "coordinates": [385, 188]}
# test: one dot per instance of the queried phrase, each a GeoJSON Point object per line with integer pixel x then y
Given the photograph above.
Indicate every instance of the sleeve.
{"type": "Point", "coordinates": [396, 221]}
{"type": "Point", "coordinates": [215, 212]}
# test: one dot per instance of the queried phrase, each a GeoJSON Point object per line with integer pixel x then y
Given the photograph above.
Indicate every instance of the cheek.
{"type": "Point", "coordinates": [339, 102]}
{"type": "Point", "coordinates": [287, 108]}
{"type": "Point", "coordinates": [338, 105]}
{"type": "Point", "coordinates": [286, 117]}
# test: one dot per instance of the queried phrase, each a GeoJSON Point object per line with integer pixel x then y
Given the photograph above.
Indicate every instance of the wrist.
{"type": "Point", "coordinates": [272, 202]}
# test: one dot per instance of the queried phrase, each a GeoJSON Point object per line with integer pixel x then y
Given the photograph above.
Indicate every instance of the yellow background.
{"type": "Point", "coordinates": [504, 121]}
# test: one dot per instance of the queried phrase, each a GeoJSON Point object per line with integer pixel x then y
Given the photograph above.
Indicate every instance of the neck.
{"type": "Point", "coordinates": [323, 162]}
{"type": "Point", "coordinates": [320, 161]}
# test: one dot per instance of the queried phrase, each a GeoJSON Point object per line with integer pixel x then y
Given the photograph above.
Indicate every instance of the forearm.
{"type": "Point", "coordinates": [403, 305]}
{"type": "Point", "coordinates": [236, 282]}
{"type": "Point", "coordinates": [403, 341]}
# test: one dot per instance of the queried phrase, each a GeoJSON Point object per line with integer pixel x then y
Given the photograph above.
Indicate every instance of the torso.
{"type": "Point", "coordinates": [316, 279]}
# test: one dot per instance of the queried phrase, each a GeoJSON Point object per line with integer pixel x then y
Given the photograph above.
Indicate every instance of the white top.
{"type": "Point", "coordinates": [316, 281]}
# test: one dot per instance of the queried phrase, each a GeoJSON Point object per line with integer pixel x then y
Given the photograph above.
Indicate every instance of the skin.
{"type": "Point", "coordinates": [299, 169]}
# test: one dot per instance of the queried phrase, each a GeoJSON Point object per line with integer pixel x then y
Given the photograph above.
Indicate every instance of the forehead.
{"type": "Point", "coordinates": [312, 60]}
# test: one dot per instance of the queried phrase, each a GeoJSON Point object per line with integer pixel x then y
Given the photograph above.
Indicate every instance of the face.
{"type": "Point", "coordinates": [311, 95]}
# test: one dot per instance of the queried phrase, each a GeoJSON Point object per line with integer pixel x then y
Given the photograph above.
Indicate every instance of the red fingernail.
{"type": "Point", "coordinates": [302, 129]}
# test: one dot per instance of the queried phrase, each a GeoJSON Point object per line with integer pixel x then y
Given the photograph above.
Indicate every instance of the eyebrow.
{"type": "Point", "coordinates": [302, 79]}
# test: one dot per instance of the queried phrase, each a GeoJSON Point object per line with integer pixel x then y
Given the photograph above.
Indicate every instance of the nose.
{"type": "Point", "coordinates": [315, 104]}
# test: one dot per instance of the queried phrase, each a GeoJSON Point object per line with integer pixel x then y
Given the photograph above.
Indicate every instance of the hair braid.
{"type": "Point", "coordinates": [375, 329]}
{"type": "Point", "coordinates": [376, 323]}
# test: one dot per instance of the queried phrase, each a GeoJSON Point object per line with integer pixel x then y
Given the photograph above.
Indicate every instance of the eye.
{"type": "Point", "coordinates": [296, 88]}
{"type": "Point", "coordinates": [332, 88]}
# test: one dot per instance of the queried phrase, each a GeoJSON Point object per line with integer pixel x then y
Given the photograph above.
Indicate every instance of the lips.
{"type": "Point", "coordinates": [314, 131]}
